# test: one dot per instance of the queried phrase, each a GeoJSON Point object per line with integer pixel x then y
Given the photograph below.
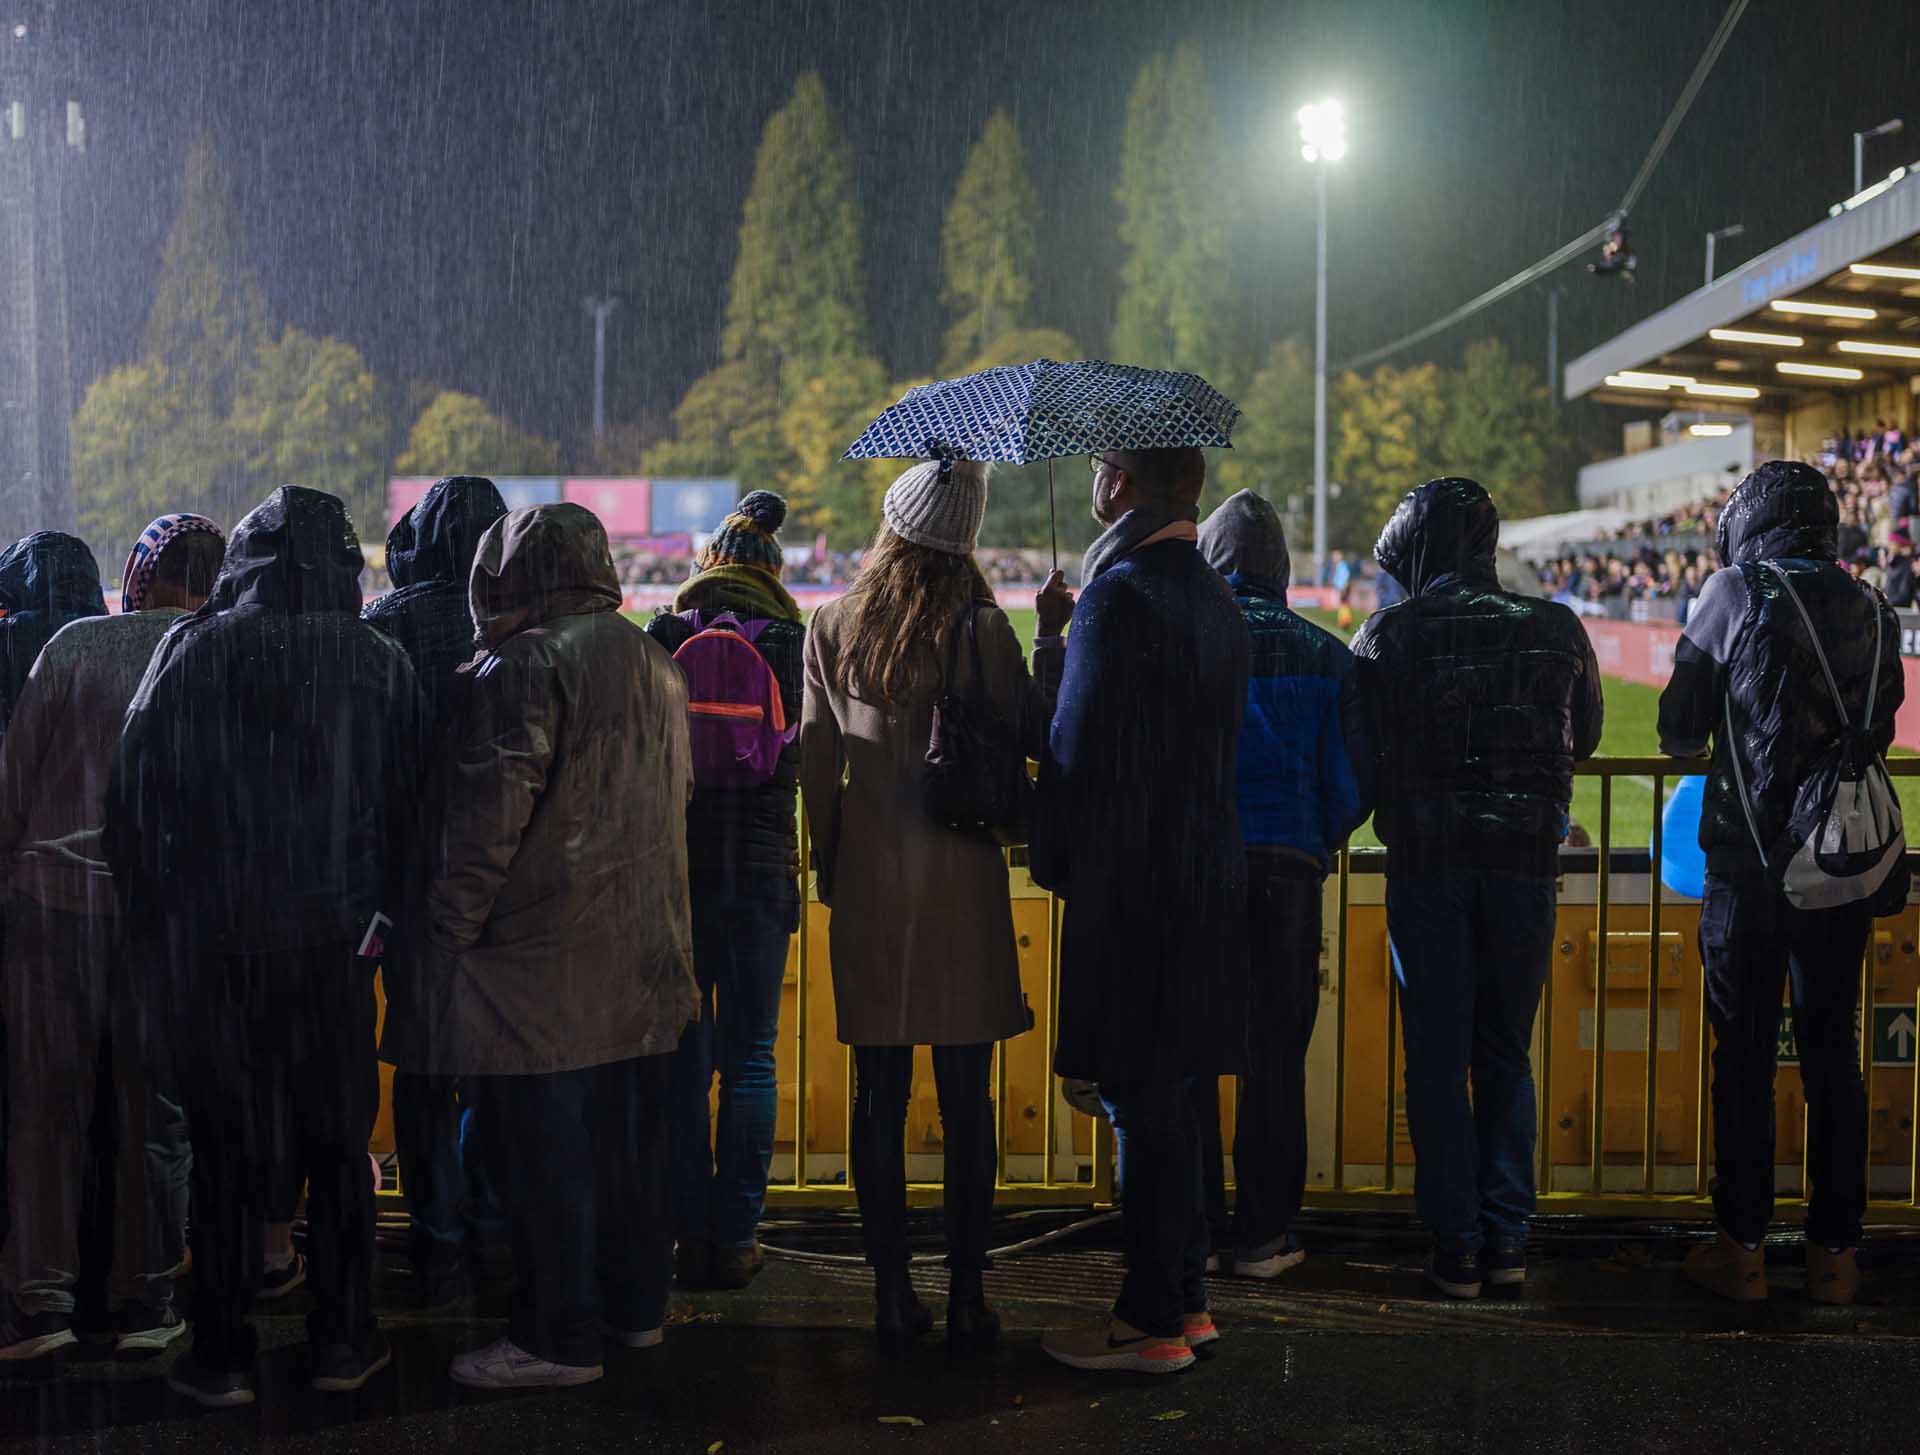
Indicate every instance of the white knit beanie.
{"type": "Point", "coordinates": [940, 512]}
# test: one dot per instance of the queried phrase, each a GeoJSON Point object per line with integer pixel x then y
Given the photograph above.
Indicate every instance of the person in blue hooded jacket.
{"type": "Point", "coordinates": [430, 553]}
{"type": "Point", "coordinates": [1301, 794]}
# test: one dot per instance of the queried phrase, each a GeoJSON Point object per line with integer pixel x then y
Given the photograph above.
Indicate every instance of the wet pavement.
{"type": "Point", "coordinates": [1608, 1351]}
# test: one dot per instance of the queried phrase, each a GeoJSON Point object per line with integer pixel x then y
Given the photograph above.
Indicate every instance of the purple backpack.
{"type": "Point", "coordinates": [736, 719]}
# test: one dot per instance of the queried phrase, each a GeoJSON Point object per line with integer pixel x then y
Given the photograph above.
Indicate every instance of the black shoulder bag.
{"type": "Point", "coordinates": [975, 779]}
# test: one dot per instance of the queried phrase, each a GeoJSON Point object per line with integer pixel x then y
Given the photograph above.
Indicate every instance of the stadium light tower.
{"type": "Point", "coordinates": [1860, 140]}
{"type": "Point", "coordinates": [1323, 141]}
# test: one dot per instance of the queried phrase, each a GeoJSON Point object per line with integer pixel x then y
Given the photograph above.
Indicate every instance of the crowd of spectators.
{"type": "Point", "coordinates": [1875, 477]}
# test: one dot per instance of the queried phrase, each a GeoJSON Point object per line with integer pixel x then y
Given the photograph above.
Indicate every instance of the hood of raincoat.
{"type": "Point", "coordinates": [539, 563]}
{"type": "Point", "coordinates": [1444, 531]}
{"type": "Point", "coordinates": [1783, 509]}
{"type": "Point", "coordinates": [295, 552]}
{"type": "Point", "coordinates": [437, 539]}
{"type": "Point", "coordinates": [1244, 537]}
{"type": "Point", "coordinates": [51, 572]}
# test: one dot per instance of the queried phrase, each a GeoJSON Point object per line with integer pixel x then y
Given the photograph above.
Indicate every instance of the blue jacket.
{"type": "Point", "coordinates": [1300, 741]}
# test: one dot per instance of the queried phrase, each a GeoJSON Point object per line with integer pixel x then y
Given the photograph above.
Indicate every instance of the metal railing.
{"type": "Point", "coordinates": [1089, 1178]}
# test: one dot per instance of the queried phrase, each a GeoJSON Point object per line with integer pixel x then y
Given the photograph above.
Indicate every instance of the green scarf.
{"type": "Point", "coordinates": [747, 591]}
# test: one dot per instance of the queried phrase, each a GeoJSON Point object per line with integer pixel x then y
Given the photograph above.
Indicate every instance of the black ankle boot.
{"type": "Point", "coordinates": [898, 1315]}
{"type": "Point", "coordinates": [971, 1322]}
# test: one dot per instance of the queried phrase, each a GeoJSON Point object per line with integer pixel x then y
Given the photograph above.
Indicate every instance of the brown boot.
{"type": "Point", "coordinates": [1730, 1269]}
{"type": "Point", "coordinates": [1832, 1277]}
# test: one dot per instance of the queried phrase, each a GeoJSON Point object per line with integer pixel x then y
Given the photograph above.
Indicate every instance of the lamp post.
{"type": "Point", "coordinates": [600, 308]}
{"type": "Point", "coordinates": [1323, 140]}
{"type": "Point", "coordinates": [1860, 140]}
{"type": "Point", "coordinates": [1713, 237]}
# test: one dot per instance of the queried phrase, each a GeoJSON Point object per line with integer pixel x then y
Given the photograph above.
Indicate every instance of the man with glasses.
{"type": "Point", "coordinates": [1136, 828]}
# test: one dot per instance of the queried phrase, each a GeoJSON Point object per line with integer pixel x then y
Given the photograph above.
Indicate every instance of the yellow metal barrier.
{"type": "Point", "coordinates": [1611, 1141]}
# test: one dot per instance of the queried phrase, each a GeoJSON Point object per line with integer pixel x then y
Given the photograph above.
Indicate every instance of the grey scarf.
{"type": "Point", "coordinates": [1125, 536]}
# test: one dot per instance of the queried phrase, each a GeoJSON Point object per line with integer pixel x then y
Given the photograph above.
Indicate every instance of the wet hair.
{"type": "Point", "coordinates": [905, 599]}
{"type": "Point", "coordinates": [1172, 477]}
{"type": "Point", "coordinates": [189, 563]}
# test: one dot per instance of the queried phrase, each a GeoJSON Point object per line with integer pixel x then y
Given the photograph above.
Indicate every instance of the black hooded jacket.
{"type": "Point", "coordinates": [430, 558]}
{"type": "Point", "coordinates": [270, 759]}
{"type": "Point", "coordinates": [1746, 653]}
{"type": "Point", "coordinates": [46, 580]}
{"type": "Point", "coordinates": [1479, 702]}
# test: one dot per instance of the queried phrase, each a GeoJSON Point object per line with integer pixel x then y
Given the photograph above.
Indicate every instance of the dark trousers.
{"type": "Point", "coordinates": [1754, 944]}
{"type": "Point", "coordinates": [740, 941]}
{"type": "Point", "coordinates": [579, 1161]}
{"type": "Point", "coordinates": [1470, 952]}
{"type": "Point", "coordinates": [1162, 1203]}
{"type": "Point", "coordinates": [274, 1058]}
{"type": "Point", "coordinates": [90, 1147]}
{"type": "Point", "coordinates": [1270, 1131]}
{"type": "Point", "coordinates": [449, 1202]}
{"type": "Point", "coordinates": [883, 1083]}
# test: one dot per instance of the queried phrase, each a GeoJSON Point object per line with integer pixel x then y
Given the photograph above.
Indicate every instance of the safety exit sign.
{"type": "Point", "coordinates": [1896, 1036]}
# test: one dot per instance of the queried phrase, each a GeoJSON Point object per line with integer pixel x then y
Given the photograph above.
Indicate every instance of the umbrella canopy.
{"type": "Point", "coordinates": [1040, 411]}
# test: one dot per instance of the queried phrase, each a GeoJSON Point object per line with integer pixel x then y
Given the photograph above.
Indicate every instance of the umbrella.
{"type": "Point", "coordinates": [1039, 411]}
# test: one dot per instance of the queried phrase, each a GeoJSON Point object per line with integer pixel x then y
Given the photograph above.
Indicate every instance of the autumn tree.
{"type": "Point", "coordinates": [1388, 441]}
{"type": "Point", "coordinates": [140, 451]}
{"type": "Point", "coordinates": [457, 434]}
{"type": "Point", "coordinates": [1273, 448]}
{"type": "Point", "coordinates": [312, 413]}
{"type": "Point", "coordinates": [1499, 429]}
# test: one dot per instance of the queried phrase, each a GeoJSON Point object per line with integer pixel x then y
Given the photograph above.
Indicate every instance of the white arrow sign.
{"type": "Point", "coordinates": [1901, 1032]}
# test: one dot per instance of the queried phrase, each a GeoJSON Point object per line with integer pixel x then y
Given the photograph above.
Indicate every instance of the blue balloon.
{"type": "Point", "coordinates": [1683, 863]}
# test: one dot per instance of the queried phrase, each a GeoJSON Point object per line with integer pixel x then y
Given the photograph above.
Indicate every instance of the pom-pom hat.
{"type": "Point", "coordinates": [748, 536]}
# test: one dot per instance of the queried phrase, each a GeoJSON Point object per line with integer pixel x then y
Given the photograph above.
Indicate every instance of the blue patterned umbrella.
{"type": "Point", "coordinates": [1043, 410]}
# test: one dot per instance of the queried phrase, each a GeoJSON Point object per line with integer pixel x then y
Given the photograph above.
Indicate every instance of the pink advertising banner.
{"type": "Point", "coordinates": [624, 506]}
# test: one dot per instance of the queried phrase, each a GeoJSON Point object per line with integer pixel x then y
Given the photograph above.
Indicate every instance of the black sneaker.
{"type": "Point", "coordinates": [146, 1330]}
{"type": "Point", "coordinates": [343, 1368]}
{"type": "Point", "coordinates": [1505, 1267]}
{"type": "Point", "coordinates": [33, 1336]}
{"type": "Point", "coordinates": [1457, 1275]}
{"type": "Point", "coordinates": [279, 1282]}
{"type": "Point", "coordinates": [213, 1389]}
{"type": "Point", "coordinates": [737, 1267]}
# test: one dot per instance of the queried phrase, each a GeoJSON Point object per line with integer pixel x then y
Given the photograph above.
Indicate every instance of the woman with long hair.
{"type": "Point", "coordinates": [922, 927]}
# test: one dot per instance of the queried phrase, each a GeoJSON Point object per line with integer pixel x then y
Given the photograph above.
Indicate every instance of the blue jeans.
{"type": "Point", "coordinates": [1470, 952]}
{"type": "Point", "coordinates": [740, 944]}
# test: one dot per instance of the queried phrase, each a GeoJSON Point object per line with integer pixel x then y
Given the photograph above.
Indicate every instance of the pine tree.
{"type": "Point", "coordinates": [798, 297]}
{"type": "Point", "coordinates": [987, 246]}
{"type": "Point", "coordinates": [208, 314]}
{"type": "Point", "coordinates": [1176, 305]}
{"type": "Point", "coordinates": [796, 305]}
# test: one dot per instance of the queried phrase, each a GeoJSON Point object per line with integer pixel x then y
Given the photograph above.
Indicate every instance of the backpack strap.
{"type": "Point", "coordinates": [1820, 652]}
{"type": "Point", "coordinates": [728, 625]}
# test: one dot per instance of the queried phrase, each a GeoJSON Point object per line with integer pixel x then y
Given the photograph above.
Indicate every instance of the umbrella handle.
{"type": "Point", "coordinates": [1053, 523]}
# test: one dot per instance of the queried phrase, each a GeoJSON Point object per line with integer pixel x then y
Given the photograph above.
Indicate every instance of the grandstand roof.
{"type": "Point", "coordinates": [1822, 267]}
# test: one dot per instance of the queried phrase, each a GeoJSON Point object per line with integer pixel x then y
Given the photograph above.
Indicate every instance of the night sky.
{"type": "Point", "coordinates": [440, 181]}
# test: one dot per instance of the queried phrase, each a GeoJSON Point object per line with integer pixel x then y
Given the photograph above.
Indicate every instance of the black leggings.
{"type": "Point", "coordinates": [883, 1083]}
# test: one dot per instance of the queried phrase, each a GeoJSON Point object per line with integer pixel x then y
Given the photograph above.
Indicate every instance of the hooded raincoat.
{"type": "Point", "coordinates": [1302, 741]}
{"type": "Point", "coordinates": [1746, 659]}
{"type": "Point", "coordinates": [429, 558]}
{"type": "Point", "coordinates": [1478, 702]}
{"type": "Point", "coordinates": [266, 773]}
{"type": "Point", "coordinates": [47, 579]}
{"type": "Point", "coordinates": [553, 931]}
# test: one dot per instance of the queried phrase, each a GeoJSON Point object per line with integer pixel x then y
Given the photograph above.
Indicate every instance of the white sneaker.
{"type": "Point", "coordinates": [1292, 1255]}
{"type": "Point", "coordinates": [505, 1365]}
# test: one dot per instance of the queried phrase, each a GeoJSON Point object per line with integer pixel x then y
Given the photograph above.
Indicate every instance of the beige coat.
{"type": "Point", "coordinates": [922, 928]}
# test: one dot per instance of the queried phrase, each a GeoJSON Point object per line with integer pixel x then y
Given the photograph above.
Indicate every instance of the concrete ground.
{"type": "Point", "coordinates": [1608, 1351]}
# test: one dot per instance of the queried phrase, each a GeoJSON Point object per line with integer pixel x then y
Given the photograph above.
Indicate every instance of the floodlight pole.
{"type": "Point", "coordinates": [600, 308]}
{"type": "Point", "coordinates": [1320, 379]}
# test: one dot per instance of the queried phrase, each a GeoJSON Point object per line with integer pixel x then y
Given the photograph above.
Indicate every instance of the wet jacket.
{"type": "Point", "coordinates": [267, 770]}
{"type": "Point", "coordinates": [1136, 824]}
{"type": "Point", "coordinates": [746, 838]}
{"type": "Point", "coordinates": [1746, 652]}
{"type": "Point", "coordinates": [58, 755]}
{"type": "Point", "coordinates": [47, 579]}
{"type": "Point", "coordinates": [1302, 736]}
{"type": "Point", "coordinates": [1478, 702]}
{"type": "Point", "coordinates": [553, 930]}
{"type": "Point", "coordinates": [429, 557]}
